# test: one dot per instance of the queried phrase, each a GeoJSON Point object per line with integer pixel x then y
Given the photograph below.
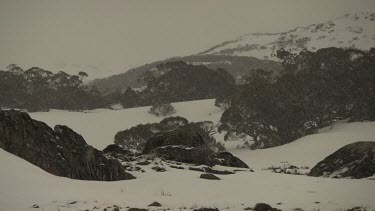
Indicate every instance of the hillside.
{"type": "Point", "coordinates": [351, 30]}
{"type": "Point", "coordinates": [235, 65]}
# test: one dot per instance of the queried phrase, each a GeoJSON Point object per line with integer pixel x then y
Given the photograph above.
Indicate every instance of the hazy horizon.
{"type": "Point", "coordinates": [109, 37]}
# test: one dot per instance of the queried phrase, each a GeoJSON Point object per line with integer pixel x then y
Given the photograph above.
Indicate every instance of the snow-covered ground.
{"type": "Point", "coordinates": [22, 184]}
{"type": "Point", "coordinates": [100, 126]}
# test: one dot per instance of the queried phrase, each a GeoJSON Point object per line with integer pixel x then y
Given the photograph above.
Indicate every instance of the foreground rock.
{"type": "Point", "coordinates": [356, 160]}
{"type": "Point", "coordinates": [227, 159]}
{"type": "Point", "coordinates": [155, 204]}
{"type": "Point", "coordinates": [59, 151]}
{"type": "Point", "coordinates": [264, 207]}
{"type": "Point", "coordinates": [207, 209]}
{"type": "Point", "coordinates": [117, 152]}
{"type": "Point", "coordinates": [209, 177]}
{"type": "Point", "coordinates": [180, 136]}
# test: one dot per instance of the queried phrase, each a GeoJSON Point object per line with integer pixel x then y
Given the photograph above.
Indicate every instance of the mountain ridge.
{"type": "Point", "coordinates": [258, 50]}
{"type": "Point", "coordinates": [250, 44]}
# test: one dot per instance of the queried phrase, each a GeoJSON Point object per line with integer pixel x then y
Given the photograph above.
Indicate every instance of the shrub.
{"type": "Point", "coordinates": [165, 109]}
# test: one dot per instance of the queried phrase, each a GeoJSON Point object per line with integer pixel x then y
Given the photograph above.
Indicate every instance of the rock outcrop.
{"type": "Point", "coordinates": [180, 136]}
{"type": "Point", "coordinates": [209, 177]}
{"type": "Point", "coordinates": [187, 146]}
{"type": "Point", "coordinates": [119, 153]}
{"type": "Point", "coordinates": [227, 159]}
{"type": "Point", "coordinates": [356, 160]}
{"type": "Point", "coordinates": [59, 151]}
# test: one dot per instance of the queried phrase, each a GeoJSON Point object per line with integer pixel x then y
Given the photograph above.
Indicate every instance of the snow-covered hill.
{"type": "Point", "coordinates": [22, 184]}
{"type": "Point", "coordinates": [351, 30]}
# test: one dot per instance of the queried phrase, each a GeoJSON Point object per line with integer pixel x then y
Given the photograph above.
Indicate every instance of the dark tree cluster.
{"type": "Point", "coordinates": [136, 137]}
{"type": "Point", "coordinates": [314, 90]}
{"type": "Point", "coordinates": [176, 82]}
{"type": "Point", "coordinates": [36, 89]}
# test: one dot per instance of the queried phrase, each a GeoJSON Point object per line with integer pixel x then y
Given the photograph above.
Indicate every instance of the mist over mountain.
{"type": "Point", "coordinates": [258, 50]}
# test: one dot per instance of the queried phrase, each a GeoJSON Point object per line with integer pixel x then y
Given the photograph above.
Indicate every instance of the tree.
{"type": "Point", "coordinates": [82, 75]}
{"type": "Point", "coordinates": [163, 109]}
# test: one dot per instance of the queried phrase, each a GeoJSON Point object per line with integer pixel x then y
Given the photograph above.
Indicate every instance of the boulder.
{"type": "Point", "coordinates": [264, 207]}
{"type": "Point", "coordinates": [356, 160]}
{"type": "Point", "coordinates": [180, 153]}
{"type": "Point", "coordinates": [117, 152]}
{"type": "Point", "coordinates": [181, 136]}
{"type": "Point", "coordinates": [209, 177]}
{"type": "Point", "coordinates": [59, 151]}
{"type": "Point", "coordinates": [199, 156]}
{"type": "Point", "coordinates": [227, 159]}
{"type": "Point", "coordinates": [210, 170]}
{"type": "Point", "coordinates": [155, 204]}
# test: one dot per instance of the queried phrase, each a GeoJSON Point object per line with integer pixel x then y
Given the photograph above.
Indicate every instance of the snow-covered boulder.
{"type": "Point", "coordinates": [356, 160]}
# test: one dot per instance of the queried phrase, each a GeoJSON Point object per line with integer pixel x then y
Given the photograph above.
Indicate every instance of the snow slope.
{"type": "Point", "coordinates": [351, 30]}
{"type": "Point", "coordinates": [22, 184]}
{"type": "Point", "coordinates": [100, 126]}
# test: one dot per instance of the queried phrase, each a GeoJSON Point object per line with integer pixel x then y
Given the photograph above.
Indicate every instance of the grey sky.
{"type": "Point", "coordinates": [114, 35]}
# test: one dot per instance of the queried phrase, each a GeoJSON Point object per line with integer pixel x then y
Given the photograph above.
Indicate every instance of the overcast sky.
{"type": "Point", "coordinates": [114, 35]}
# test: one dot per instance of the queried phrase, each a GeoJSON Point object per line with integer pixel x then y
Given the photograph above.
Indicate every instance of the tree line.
{"type": "Point", "coordinates": [36, 89]}
{"type": "Point", "coordinates": [314, 90]}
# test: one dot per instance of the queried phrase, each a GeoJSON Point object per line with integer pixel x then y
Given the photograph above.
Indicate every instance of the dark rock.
{"type": "Point", "coordinates": [185, 154]}
{"type": "Point", "coordinates": [356, 160]}
{"type": "Point", "coordinates": [227, 159]}
{"type": "Point", "coordinates": [159, 169]}
{"type": "Point", "coordinates": [35, 206]}
{"type": "Point", "coordinates": [186, 145]}
{"type": "Point", "coordinates": [199, 156]}
{"type": "Point", "coordinates": [137, 209]}
{"type": "Point", "coordinates": [61, 151]}
{"type": "Point", "coordinates": [209, 177]}
{"type": "Point", "coordinates": [264, 207]}
{"type": "Point", "coordinates": [143, 163]}
{"type": "Point", "coordinates": [116, 209]}
{"type": "Point", "coordinates": [155, 204]}
{"type": "Point", "coordinates": [117, 152]}
{"type": "Point", "coordinates": [181, 136]}
{"type": "Point", "coordinates": [210, 170]}
{"type": "Point", "coordinates": [357, 209]}
{"type": "Point", "coordinates": [206, 209]}
{"type": "Point", "coordinates": [176, 167]}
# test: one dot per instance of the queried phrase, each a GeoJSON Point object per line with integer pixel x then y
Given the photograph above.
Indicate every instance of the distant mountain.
{"type": "Point", "coordinates": [235, 65]}
{"type": "Point", "coordinates": [257, 50]}
{"type": "Point", "coordinates": [351, 30]}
